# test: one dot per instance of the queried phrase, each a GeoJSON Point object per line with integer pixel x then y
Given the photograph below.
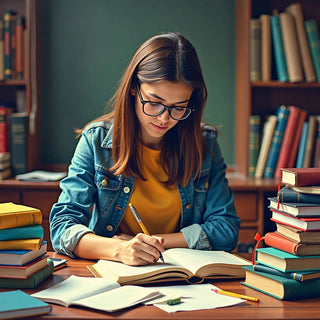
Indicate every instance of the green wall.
{"type": "Point", "coordinates": [85, 46]}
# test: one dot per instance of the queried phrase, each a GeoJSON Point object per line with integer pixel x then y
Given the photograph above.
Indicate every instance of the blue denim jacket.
{"type": "Point", "coordinates": [94, 200]}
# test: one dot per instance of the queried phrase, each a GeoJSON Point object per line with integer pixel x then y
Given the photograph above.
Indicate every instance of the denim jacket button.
{"type": "Point", "coordinates": [188, 206]}
{"type": "Point", "coordinates": [126, 189]}
{"type": "Point", "coordinates": [104, 182]}
{"type": "Point", "coordinates": [109, 227]}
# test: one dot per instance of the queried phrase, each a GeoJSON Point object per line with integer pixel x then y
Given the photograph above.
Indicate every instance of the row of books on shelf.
{"type": "Point", "coordinates": [23, 259]}
{"type": "Point", "coordinates": [287, 260]}
{"type": "Point", "coordinates": [291, 138]}
{"type": "Point", "coordinates": [287, 43]}
{"type": "Point", "coordinates": [12, 46]}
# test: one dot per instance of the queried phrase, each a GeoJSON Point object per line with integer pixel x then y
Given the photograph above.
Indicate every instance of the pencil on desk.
{"type": "Point", "coordinates": [141, 224]}
{"type": "Point", "coordinates": [236, 295]}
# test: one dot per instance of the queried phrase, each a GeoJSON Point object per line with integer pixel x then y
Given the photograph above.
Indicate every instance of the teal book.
{"type": "Point", "coordinates": [282, 115]}
{"type": "Point", "coordinates": [302, 145]}
{"type": "Point", "coordinates": [286, 194]}
{"type": "Point", "coordinates": [18, 304]}
{"type": "Point", "coordinates": [26, 232]}
{"type": "Point", "coordinates": [285, 261]}
{"type": "Point", "coordinates": [31, 282]}
{"type": "Point", "coordinates": [254, 143]}
{"type": "Point", "coordinates": [281, 287]}
{"type": "Point", "coordinates": [278, 48]}
{"type": "Point", "coordinates": [298, 276]}
{"type": "Point", "coordinates": [314, 42]}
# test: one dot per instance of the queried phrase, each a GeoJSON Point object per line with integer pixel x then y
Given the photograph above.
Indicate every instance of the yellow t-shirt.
{"type": "Point", "coordinates": [159, 206]}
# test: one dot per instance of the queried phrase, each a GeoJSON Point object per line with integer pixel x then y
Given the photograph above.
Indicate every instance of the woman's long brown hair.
{"type": "Point", "coordinates": [165, 57]}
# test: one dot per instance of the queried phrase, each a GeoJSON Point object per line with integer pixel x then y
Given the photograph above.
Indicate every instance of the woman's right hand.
{"type": "Point", "coordinates": [140, 250]}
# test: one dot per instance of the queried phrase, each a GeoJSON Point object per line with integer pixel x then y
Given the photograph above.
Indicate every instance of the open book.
{"type": "Point", "coordinates": [180, 264]}
{"type": "Point", "coordinates": [99, 294]}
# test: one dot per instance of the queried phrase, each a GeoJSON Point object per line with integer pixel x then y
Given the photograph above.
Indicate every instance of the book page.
{"type": "Point", "coordinates": [75, 288]}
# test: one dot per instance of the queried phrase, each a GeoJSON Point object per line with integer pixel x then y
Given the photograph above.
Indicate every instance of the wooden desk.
{"type": "Point", "coordinates": [267, 308]}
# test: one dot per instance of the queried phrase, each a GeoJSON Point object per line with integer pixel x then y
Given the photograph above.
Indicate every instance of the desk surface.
{"type": "Point", "coordinates": [267, 308]}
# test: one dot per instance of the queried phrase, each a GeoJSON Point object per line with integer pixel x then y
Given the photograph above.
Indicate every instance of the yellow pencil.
{"type": "Point", "coordinates": [236, 295]}
{"type": "Point", "coordinates": [142, 226]}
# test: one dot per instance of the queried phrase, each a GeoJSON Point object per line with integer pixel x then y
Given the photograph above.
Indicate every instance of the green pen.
{"type": "Point", "coordinates": [172, 302]}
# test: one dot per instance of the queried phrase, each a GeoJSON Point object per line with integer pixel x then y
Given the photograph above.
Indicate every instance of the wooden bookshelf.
{"type": "Point", "coordinates": [30, 83]}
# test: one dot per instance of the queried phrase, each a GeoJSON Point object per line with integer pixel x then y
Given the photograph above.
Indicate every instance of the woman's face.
{"type": "Point", "coordinates": [153, 128]}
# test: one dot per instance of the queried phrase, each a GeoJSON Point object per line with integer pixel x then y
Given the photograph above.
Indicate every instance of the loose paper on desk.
{"type": "Point", "coordinates": [41, 176]}
{"type": "Point", "coordinates": [95, 293]}
{"type": "Point", "coordinates": [193, 297]}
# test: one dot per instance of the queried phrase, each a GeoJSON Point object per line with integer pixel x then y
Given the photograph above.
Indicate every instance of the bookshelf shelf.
{"type": "Point", "coordinates": [284, 85]}
{"type": "Point", "coordinates": [13, 83]}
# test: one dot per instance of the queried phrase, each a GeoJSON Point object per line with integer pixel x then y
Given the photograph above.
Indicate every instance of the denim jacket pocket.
{"type": "Point", "coordinates": [105, 180]}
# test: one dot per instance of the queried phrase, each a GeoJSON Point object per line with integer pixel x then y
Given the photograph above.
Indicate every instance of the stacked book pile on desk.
{"type": "Point", "coordinates": [289, 266]}
{"type": "Point", "coordinates": [23, 260]}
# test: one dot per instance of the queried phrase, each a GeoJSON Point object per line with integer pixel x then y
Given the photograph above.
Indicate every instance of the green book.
{"type": "Point", "coordinates": [254, 143]}
{"type": "Point", "coordinates": [26, 232]}
{"type": "Point", "coordinates": [314, 42]}
{"type": "Point", "coordinates": [29, 283]}
{"type": "Point", "coordinates": [280, 287]}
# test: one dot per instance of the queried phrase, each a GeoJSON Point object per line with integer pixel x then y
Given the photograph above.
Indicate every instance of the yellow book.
{"type": "Point", "coordinates": [21, 244]}
{"type": "Point", "coordinates": [16, 215]}
{"type": "Point", "coordinates": [181, 264]}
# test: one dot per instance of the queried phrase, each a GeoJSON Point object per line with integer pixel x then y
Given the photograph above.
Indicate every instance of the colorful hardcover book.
{"type": "Point", "coordinates": [307, 161]}
{"type": "Point", "coordinates": [314, 42]}
{"type": "Point", "coordinates": [304, 224]}
{"type": "Point", "coordinates": [302, 145]}
{"type": "Point", "coordinates": [6, 110]}
{"type": "Point", "coordinates": [26, 232]}
{"type": "Point", "coordinates": [255, 49]}
{"type": "Point", "coordinates": [15, 215]}
{"type": "Point", "coordinates": [282, 116]}
{"type": "Point", "coordinates": [265, 47]}
{"type": "Point", "coordinates": [19, 47]}
{"type": "Point", "coordinates": [31, 282]}
{"type": "Point", "coordinates": [21, 257]}
{"type": "Point", "coordinates": [19, 145]}
{"type": "Point", "coordinates": [301, 176]}
{"type": "Point", "coordinates": [281, 287]}
{"type": "Point", "coordinates": [7, 43]}
{"type": "Point", "coordinates": [298, 276]}
{"type": "Point", "coordinates": [280, 59]}
{"type": "Point", "coordinates": [1, 50]}
{"type": "Point", "coordinates": [298, 235]}
{"type": "Point", "coordinates": [23, 244]}
{"type": "Point", "coordinates": [18, 304]}
{"type": "Point", "coordinates": [254, 143]}
{"type": "Point", "coordinates": [316, 160]}
{"type": "Point", "coordinates": [275, 240]}
{"type": "Point", "coordinates": [286, 194]}
{"type": "Point", "coordinates": [285, 261]}
{"type": "Point", "coordinates": [290, 142]}
{"type": "Point", "coordinates": [25, 271]}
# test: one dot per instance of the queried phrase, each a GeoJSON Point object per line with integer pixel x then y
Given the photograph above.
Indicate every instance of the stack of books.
{"type": "Point", "coordinates": [23, 260]}
{"type": "Point", "coordinates": [288, 267]}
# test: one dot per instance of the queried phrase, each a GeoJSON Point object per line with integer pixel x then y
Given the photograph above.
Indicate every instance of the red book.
{"type": "Point", "coordinates": [275, 240]}
{"type": "Point", "coordinates": [300, 177]}
{"type": "Point", "coordinates": [304, 224]}
{"type": "Point", "coordinates": [291, 138]}
{"type": "Point", "coordinates": [4, 128]}
{"type": "Point", "coordinates": [19, 47]}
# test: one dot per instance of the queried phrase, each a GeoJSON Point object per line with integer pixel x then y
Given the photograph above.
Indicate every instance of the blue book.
{"type": "Point", "coordinates": [16, 303]}
{"type": "Point", "coordinates": [286, 194]}
{"type": "Point", "coordinates": [282, 115]}
{"type": "Point", "coordinates": [279, 53]}
{"type": "Point", "coordinates": [314, 42]}
{"type": "Point", "coordinates": [26, 232]}
{"type": "Point", "coordinates": [302, 145]}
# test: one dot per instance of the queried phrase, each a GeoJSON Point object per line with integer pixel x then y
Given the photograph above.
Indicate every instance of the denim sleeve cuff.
{"type": "Point", "coordinates": [71, 237]}
{"type": "Point", "coordinates": [196, 237]}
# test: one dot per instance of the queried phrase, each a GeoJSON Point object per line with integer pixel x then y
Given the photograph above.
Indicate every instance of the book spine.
{"type": "Point", "coordinates": [279, 54]}
{"type": "Point", "coordinates": [21, 244]}
{"type": "Point", "coordinates": [274, 240]}
{"type": "Point", "coordinates": [255, 50]}
{"type": "Point", "coordinates": [20, 219]}
{"type": "Point", "coordinates": [287, 142]}
{"type": "Point", "coordinates": [1, 50]}
{"type": "Point", "coordinates": [19, 47]}
{"type": "Point", "coordinates": [316, 161]}
{"type": "Point", "coordinates": [13, 44]}
{"type": "Point", "coordinates": [27, 232]}
{"type": "Point", "coordinates": [289, 275]}
{"type": "Point", "coordinates": [302, 145]}
{"type": "Point", "coordinates": [307, 162]}
{"type": "Point", "coordinates": [314, 42]}
{"type": "Point", "coordinates": [3, 130]}
{"type": "Point", "coordinates": [31, 282]}
{"type": "Point", "coordinates": [291, 47]}
{"type": "Point", "coordinates": [273, 155]}
{"type": "Point", "coordinates": [7, 44]}
{"type": "Point", "coordinates": [265, 47]}
{"type": "Point", "coordinates": [268, 132]}
{"type": "Point", "coordinates": [288, 195]}
{"type": "Point", "coordinates": [19, 148]}
{"type": "Point", "coordinates": [254, 143]}
{"type": "Point", "coordinates": [296, 10]}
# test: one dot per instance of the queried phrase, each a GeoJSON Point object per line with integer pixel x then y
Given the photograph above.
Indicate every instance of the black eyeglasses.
{"type": "Point", "coordinates": [153, 109]}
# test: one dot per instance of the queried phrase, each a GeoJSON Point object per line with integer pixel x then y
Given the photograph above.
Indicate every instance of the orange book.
{"type": "Point", "coordinates": [19, 47]}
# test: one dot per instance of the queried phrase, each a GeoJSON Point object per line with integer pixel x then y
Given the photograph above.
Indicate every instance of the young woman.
{"type": "Point", "coordinates": [152, 151]}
